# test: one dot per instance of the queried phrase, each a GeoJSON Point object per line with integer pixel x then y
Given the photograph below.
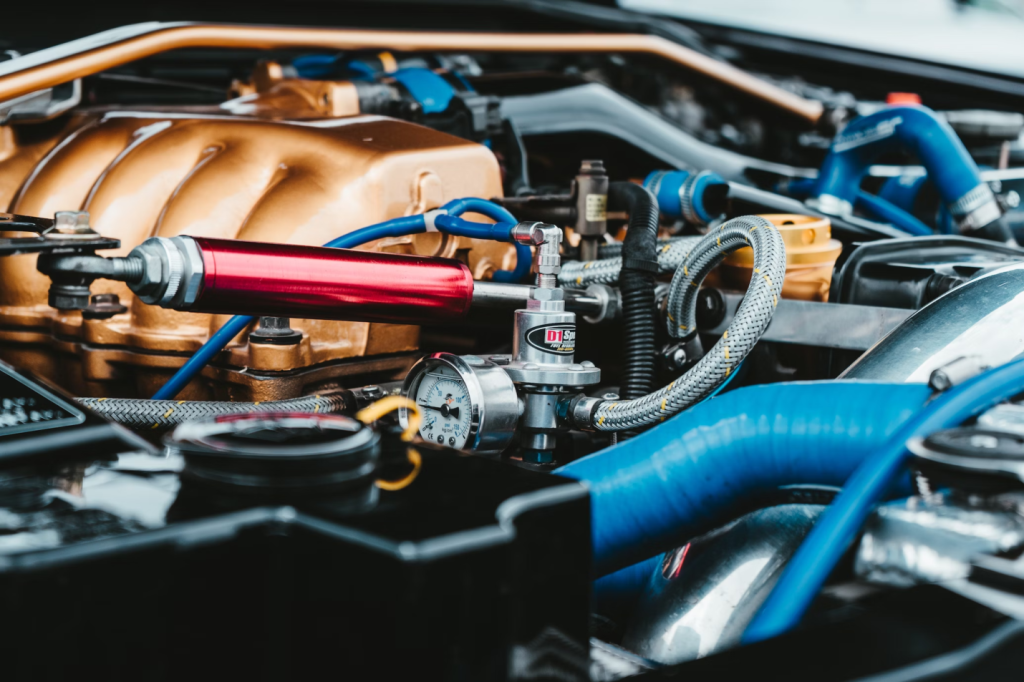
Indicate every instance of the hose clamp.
{"type": "Point", "coordinates": [829, 204]}
{"type": "Point", "coordinates": [430, 216]}
{"type": "Point", "coordinates": [975, 209]}
{"type": "Point", "coordinates": [687, 204]}
{"type": "Point", "coordinates": [641, 264]}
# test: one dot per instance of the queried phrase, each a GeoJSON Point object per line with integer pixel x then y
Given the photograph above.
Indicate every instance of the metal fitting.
{"type": "Point", "coordinates": [275, 331]}
{"type": "Point", "coordinates": [103, 307]}
{"type": "Point", "coordinates": [831, 205]}
{"type": "Point", "coordinates": [956, 372]}
{"type": "Point", "coordinates": [71, 225]}
{"type": "Point", "coordinates": [547, 260]}
{"type": "Point", "coordinates": [607, 300]}
{"type": "Point", "coordinates": [72, 275]}
{"type": "Point", "coordinates": [172, 272]}
{"type": "Point", "coordinates": [579, 411]}
{"type": "Point", "coordinates": [545, 294]}
{"type": "Point", "coordinates": [590, 190]}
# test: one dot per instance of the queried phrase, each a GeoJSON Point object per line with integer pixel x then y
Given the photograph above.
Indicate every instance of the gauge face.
{"type": "Point", "coordinates": [447, 409]}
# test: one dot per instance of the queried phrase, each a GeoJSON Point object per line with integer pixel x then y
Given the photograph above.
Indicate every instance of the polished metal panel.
{"type": "Point", "coordinates": [984, 317]}
{"type": "Point", "coordinates": [1006, 417]}
{"type": "Point", "coordinates": [704, 595]}
{"type": "Point", "coordinates": [826, 325]}
{"type": "Point", "coordinates": [931, 540]}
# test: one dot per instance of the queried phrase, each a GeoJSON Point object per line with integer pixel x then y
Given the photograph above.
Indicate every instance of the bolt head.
{"type": "Point", "coordinates": [71, 222]}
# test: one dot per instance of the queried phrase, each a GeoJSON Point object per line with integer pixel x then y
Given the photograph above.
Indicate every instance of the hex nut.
{"type": "Point", "coordinates": [192, 278]}
{"type": "Point", "coordinates": [540, 294]}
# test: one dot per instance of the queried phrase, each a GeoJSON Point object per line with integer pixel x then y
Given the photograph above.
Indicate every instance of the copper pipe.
{"type": "Point", "coordinates": [113, 48]}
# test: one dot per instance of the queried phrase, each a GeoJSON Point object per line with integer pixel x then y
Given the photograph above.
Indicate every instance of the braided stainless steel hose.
{"type": "Point", "coordinates": [160, 415]}
{"type": "Point", "coordinates": [579, 274]}
{"type": "Point", "coordinates": [752, 318]}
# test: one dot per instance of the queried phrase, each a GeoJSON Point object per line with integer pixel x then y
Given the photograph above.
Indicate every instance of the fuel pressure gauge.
{"type": "Point", "coordinates": [467, 403]}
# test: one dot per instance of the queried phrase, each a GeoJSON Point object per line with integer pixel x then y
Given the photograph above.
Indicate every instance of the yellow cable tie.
{"type": "Point", "coordinates": [180, 402]}
{"type": "Point", "coordinates": [600, 421]}
{"type": "Point", "coordinates": [156, 425]}
{"type": "Point", "coordinates": [725, 335]}
{"type": "Point", "coordinates": [167, 413]}
{"type": "Point", "coordinates": [686, 271]}
{"type": "Point", "coordinates": [663, 401]}
{"type": "Point", "coordinates": [579, 280]}
{"type": "Point", "coordinates": [372, 413]}
{"type": "Point", "coordinates": [416, 459]}
{"type": "Point", "coordinates": [728, 370]}
{"type": "Point", "coordinates": [670, 318]}
{"type": "Point", "coordinates": [588, 264]}
{"type": "Point", "coordinates": [388, 62]}
{"type": "Point", "coordinates": [682, 327]}
{"type": "Point", "coordinates": [101, 400]}
{"type": "Point", "coordinates": [757, 270]}
{"type": "Point", "coordinates": [719, 241]}
{"type": "Point", "coordinates": [256, 403]}
{"type": "Point", "coordinates": [726, 352]}
{"type": "Point", "coordinates": [768, 279]}
{"type": "Point", "coordinates": [666, 248]}
{"type": "Point", "coordinates": [775, 299]}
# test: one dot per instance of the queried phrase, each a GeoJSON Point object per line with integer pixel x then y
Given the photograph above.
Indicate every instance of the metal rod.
{"type": "Point", "coordinates": [116, 47]}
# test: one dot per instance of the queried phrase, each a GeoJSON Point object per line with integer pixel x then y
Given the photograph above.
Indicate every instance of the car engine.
{"type": "Point", "coordinates": [603, 349]}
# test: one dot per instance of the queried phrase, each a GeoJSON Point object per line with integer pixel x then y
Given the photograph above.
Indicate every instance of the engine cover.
{"type": "Point", "coordinates": [143, 174]}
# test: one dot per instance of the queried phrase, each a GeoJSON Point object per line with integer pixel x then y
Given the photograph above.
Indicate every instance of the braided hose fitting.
{"type": "Point", "coordinates": [161, 415]}
{"type": "Point", "coordinates": [752, 318]}
{"type": "Point", "coordinates": [580, 274]}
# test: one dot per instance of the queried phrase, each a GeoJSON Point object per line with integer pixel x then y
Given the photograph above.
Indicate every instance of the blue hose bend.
{"type": "Point", "coordinates": [841, 522]}
{"type": "Point", "coordinates": [918, 130]}
{"type": "Point", "coordinates": [690, 474]}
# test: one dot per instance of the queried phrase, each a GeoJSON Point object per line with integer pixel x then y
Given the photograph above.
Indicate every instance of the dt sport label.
{"type": "Point", "coordinates": [553, 338]}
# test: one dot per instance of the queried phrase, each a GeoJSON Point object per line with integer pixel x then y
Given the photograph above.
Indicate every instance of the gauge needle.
{"type": "Point", "coordinates": [443, 409]}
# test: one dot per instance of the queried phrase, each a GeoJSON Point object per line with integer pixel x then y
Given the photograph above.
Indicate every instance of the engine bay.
{"type": "Point", "coordinates": [597, 351]}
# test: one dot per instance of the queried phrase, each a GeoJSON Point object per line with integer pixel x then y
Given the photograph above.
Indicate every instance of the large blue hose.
{"type": "Point", "coordinates": [396, 227]}
{"type": "Point", "coordinates": [918, 130]}
{"type": "Point", "coordinates": [693, 473]}
{"type": "Point", "coordinates": [841, 522]}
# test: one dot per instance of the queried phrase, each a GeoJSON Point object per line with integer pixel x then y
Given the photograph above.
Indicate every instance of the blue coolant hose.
{"type": "Point", "coordinates": [691, 474]}
{"type": "Point", "coordinates": [444, 219]}
{"type": "Point", "coordinates": [884, 210]}
{"type": "Point", "coordinates": [918, 130]}
{"type": "Point", "coordinates": [839, 525]}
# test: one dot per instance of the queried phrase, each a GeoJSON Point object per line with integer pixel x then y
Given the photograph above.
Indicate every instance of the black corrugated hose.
{"type": "Point", "coordinates": [636, 281]}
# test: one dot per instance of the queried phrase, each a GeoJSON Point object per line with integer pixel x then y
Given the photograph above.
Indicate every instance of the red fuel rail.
{"type": "Point", "coordinates": [285, 280]}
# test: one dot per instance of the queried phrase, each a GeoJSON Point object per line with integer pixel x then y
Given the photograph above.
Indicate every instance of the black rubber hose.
{"type": "Point", "coordinates": [636, 280]}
